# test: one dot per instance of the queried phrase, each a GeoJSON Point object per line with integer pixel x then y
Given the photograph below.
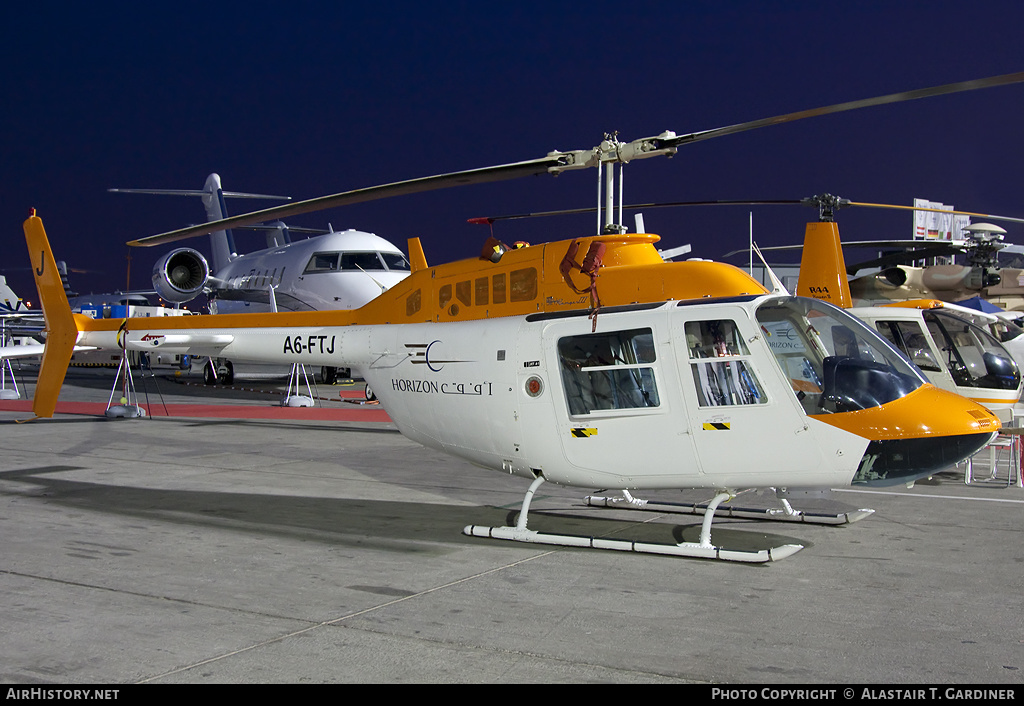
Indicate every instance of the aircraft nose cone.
{"type": "Point", "coordinates": [917, 435]}
{"type": "Point", "coordinates": [899, 461]}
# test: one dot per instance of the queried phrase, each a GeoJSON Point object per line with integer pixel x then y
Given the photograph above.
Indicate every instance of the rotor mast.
{"type": "Point", "coordinates": [604, 157]}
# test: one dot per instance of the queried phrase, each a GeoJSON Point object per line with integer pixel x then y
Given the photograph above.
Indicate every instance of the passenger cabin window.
{"type": "Point", "coordinates": [412, 303]}
{"type": "Point", "coordinates": [523, 284]}
{"type": "Point", "coordinates": [609, 371]}
{"type": "Point", "coordinates": [498, 288]}
{"type": "Point", "coordinates": [519, 286]}
{"type": "Point", "coordinates": [719, 363]}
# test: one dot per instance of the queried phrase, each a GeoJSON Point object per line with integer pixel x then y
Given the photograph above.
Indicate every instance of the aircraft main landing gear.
{"type": "Point", "coordinates": [703, 549]}
{"type": "Point", "coordinates": [784, 514]}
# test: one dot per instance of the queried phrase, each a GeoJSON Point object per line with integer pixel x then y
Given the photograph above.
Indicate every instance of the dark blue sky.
{"type": "Point", "coordinates": [308, 99]}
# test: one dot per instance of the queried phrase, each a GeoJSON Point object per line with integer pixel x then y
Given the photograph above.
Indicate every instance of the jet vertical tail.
{"type": "Point", "coordinates": [222, 242]}
{"type": "Point", "coordinates": [61, 328]}
{"type": "Point", "coordinates": [822, 266]}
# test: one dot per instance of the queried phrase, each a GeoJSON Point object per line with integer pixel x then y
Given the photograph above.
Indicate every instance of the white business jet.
{"type": "Point", "coordinates": [333, 270]}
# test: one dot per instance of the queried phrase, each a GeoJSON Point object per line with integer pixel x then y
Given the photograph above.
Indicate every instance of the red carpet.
{"type": "Point", "coordinates": [348, 413]}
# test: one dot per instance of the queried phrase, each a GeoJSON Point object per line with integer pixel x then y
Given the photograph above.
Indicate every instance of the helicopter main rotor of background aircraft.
{"type": "Point", "coordinates": [981, 275]}
{"type": "Point", "coordinates": [614, 370]}
{"type": "Point", "coordinates": [897, 277]}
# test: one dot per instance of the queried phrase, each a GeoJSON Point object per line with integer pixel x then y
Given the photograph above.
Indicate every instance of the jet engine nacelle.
{"type": "Point", "coordinates": [179, 276]}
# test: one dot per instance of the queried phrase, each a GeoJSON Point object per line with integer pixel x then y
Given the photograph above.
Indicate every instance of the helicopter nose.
{"type": "Point", "coordinates": [917, 435]}
{"type": "Point", "coordinates": [899, 461]}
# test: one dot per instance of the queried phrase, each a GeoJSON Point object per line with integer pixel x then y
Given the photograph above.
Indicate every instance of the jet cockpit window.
{"type": "Point", "coordinates": [834, 362]}
{"type": "Point", "coordinates": [361, 261]}
{"type": "Point", "coordinates": [609, 371]}
{"type": "Point", "coordinates": [322, 262]}
{"type": "Point", "coordinates": [975, 358]}
{"type": "Point", "coordinates": [395, 261]}
{"type": "Point", "coordinates": [365, 261]}
{"type": "Point", "coordinates": [721, 371]}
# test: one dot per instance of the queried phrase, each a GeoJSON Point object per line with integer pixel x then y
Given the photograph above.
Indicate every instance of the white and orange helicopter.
{"type": "Point", "coordinates": [946, 342]}
{"type": "Point", "coordinates": [593, 362]}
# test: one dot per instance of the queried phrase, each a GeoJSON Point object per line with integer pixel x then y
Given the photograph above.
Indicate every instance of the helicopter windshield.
{"type": "Point", "coordinates": [1005, 330]}
{"type": "Point", "coordinates": [833, 361]}
{"type": "Point", "coordinates": [975, 358]}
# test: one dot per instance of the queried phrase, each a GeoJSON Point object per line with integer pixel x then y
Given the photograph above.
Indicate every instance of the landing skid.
{"type": "Point", "coordinates": [703, 549]}
{"type": "Point", "coordinates": [783, 514]}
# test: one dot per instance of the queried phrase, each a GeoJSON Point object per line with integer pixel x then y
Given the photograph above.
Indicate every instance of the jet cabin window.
{"type": "Point", "coordinates": [720, 370]}
{"type": "Point", "coordinates": [607, 371]}
{"type": "Point", "coordinates": [834, 362]}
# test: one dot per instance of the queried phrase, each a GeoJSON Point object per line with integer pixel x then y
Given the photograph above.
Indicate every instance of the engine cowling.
{"type": "Point", "coordinates": [180, 275]}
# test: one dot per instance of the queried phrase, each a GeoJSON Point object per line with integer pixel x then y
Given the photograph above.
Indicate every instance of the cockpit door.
{"type": "Point", "coordinates": [737, 399]}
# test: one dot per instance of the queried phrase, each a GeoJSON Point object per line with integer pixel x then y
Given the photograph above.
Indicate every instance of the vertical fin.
{"type": "Point", "coordinates": [222, 242]}
{"type": "Point", "coordinates": [61, 329]}
{"type": "Point", "coordinates": [417, 260]}
{"type": "Point", "coordinates": [822, 267]}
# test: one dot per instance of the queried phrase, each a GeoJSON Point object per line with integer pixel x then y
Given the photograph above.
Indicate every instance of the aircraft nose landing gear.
{"type": "Point", "coordinates": [218, 371]}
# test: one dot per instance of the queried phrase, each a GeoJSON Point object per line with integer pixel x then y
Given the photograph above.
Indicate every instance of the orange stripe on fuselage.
{"type": "Point", "coordinates": [632, 272]}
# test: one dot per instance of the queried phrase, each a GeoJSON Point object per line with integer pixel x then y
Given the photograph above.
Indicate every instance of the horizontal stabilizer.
{"type": "Point", "coordinates": [199, 192]}
{"type": "Point", "coordinates": [34, 349]}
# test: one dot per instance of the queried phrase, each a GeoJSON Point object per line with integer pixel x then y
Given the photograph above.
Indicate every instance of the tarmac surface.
{"type": "Point", "coordinates": [198, 548]}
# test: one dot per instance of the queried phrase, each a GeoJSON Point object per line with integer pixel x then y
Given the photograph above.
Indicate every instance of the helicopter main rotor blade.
{"type": "Point", "coordinates": [635, 206]}
{"type": "Point", "coordinates": [412, 186]}
{"type": "Point", "coordinates": [840, 203]}
{"type": "Point", "coordinates": [852, 105]}
{"type": "Point", "coordinates": [905, 257]}
{"type": "Point", "coordinates": [609, 151]}
{"type": "Point", "coordinates": [989, 216]}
